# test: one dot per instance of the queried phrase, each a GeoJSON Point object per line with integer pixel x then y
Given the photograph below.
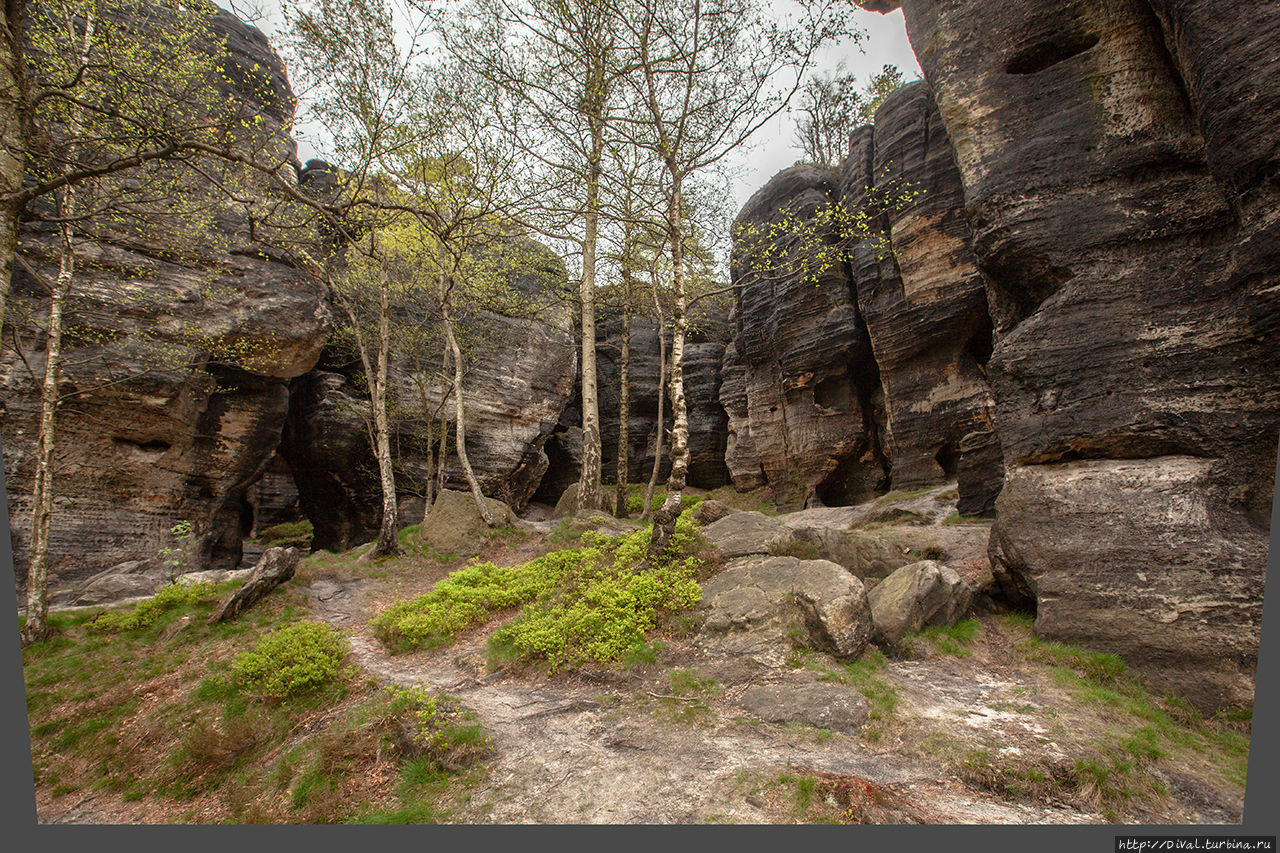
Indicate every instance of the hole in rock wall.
{"type": "Point", "coordinates": [834, 392]}
{"type": "Point", "coordinates": [948, 458]}
{"type": "Point", "coordinates": [1045, 54]}
{"type": "Point", "coordinates": [561, 471]}
{"type": "Point", "coordinates": [982, 342]}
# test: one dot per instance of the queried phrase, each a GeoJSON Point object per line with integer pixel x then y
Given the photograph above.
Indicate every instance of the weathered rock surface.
{"type": "Point", "coordinates": [826, 706]}
{"type": "Point", "coordinates": [565, 506]}
{"type": "Point", "coordinates": [743, 533]}
{"type": "Point", "coordinates": [915, 597]}
{"type": "Point", "coordinates": [920, 291]}
{"type": "Point", "coordinates": [515, 388]}
{"type": "Point", "coordinates": [802, 362]}
{"type": "Point", "coordinates": [1118, 159]}
{"type": "Point", "coordinates": [276, 566]}
{"type": "Point", "coordinates": [130, 579]}
{"type": "Point", "coordinates": [454, 525]}
{"type": "Point", "coordinates": [185, 437]}
{"type": "Point", "coordinates": [710, 511]}
{"type": "Point", "coordinates": [869, 558]}
{"type": "Point", "coordinates": [753, 605]}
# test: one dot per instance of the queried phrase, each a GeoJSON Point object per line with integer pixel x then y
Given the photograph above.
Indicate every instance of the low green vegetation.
{"type": "Point", "coordinates": [952, 640]}
{"type": "Point", "coordinates": [864, 675]}
{"type": "Point", "coordinates": [170, 597]}
{"type": "Point", "coordinates": [293, 659]}
{"type": "Point", "coordinates": [290, 534]}
{"type": "Point", "coordinates": [260, 720]}
{"type": "Point", "coordinates": [687, 697]}
{"type": "Point", "coordinates": [635, 499]}
{"type": "Point", "coordinates": [578, 605]}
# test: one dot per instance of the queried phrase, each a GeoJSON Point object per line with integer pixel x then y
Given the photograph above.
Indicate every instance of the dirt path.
{"type": "Point", "coordinates": [569, 751]}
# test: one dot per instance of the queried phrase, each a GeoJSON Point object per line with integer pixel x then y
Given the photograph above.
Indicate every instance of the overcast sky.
{"type": "Point", "coordinates": [773, 147]}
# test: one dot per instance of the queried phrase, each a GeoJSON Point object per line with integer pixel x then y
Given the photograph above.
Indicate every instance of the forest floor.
{"type": "Point", "coordinates": [979, 724]}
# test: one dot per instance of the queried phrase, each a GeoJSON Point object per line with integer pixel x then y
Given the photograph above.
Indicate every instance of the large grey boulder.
{"type": "Point", "coordinates": [129, 579]}
{"type": "Point", "coordinates": [826, 706]}
{"type": "Point", "coordinates": [917, 596]}
{"type": "Point", "coordinates": [742, 534]}
{"type": "Point", "coordinates": [758, 605]}
{"type": "Point", "coordinates": [867, 557]}
{"type": "Point", "coordinates": [454, 525]}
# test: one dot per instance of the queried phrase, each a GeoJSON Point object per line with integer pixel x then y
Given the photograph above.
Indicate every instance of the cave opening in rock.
{"type": "Point", "coordinates": [834, 392]}
{"type": "Point", "coordinates": [948, 458]}
{"type": "Point", "coordinates": [982, 342]}
{"type": "Point", "coordinates": [561, 472]}
{"type": "Point", "coordinates": [855, 479]}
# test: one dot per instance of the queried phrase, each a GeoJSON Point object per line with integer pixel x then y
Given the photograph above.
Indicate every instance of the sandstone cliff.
{"type": "Point", "coordinates": [1119, 162]}
{"type": "Point", "coordinates": [185, 437]}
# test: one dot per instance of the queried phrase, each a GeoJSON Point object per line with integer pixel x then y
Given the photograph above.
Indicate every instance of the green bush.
{"type": "Point", "coordinates": [605, 608]}
{"type": "Point", "coordinates": [145, 613]}
{"type": "Point", "coordinates": [291, 534]}
{"type": "Point", "coordinates": [468, 596]}
{"type": "Point", "coordinates": [635, 500]}
{"type": "Point", "coordinates": [580, 604]}
{"type": "Point", "coordinates": [293, 659]}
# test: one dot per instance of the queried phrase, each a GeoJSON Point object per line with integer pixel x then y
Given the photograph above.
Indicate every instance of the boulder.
{"type": "Point", "coordinates": [826, 706]}
{"type": "Point", "coordinates": [866, 557]}
{"type": "Point", "coordinates": [129, 579]}
{"type": "Point", "coordinates": [275, 567]}
{"type": "Point", "coordinates": [917, 596]}
{"type": "Point", "coordinates": [757, 605]}
{"type": "Point", "coordinates": [216, 576]}
{"type": "Point", "coordinates": [454, 525]}
{"type": "Point", "coordinates": [710, 511]}
{"type": "Point", "coordinates": [740, 534]}
{"type": "Point", "coordinates": [565, 506]}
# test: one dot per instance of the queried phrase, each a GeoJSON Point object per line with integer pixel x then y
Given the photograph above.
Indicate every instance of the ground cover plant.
{"type": "Point", "coordinates": [593, 603]}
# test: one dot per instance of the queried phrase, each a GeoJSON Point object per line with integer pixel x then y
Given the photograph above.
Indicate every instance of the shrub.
{"type": "Point", "coordinates": [145, 613]}
{"type": "Point", "coordinates": [300, 657]}
{"type": "Point", "coordinates": [435, 728]}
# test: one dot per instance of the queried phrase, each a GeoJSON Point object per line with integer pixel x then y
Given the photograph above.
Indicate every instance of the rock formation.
{"type": "Point", "coordinates": [184, 436]}
{"type": "Point", "coordinates": [800, 384]}
{"type": "Point", "coordinates": [517, 384]}
{"type": "Point", "coordinates": [1118, 159]}
{"type": "Point", "coordinates": [922, 296]}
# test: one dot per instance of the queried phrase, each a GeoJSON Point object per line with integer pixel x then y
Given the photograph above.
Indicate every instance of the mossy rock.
{"type": "Point", "coordinates": [454, 525]}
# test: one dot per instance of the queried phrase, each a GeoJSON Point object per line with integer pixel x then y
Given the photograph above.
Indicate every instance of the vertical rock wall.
{"type": "Point", "coordinates": [1119, 161]}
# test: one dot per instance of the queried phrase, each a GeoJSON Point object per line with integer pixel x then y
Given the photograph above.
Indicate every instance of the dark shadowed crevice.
{"type": "Point", "coordinates": [1048, 53]}
{"type": "Point", "coordinates": [948, 459]}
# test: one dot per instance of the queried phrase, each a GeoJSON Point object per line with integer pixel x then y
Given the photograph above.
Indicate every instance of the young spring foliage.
{"type": "Point", "coordinates": [579, 605]}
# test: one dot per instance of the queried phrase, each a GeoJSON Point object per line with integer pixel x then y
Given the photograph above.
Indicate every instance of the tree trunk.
{"type": "Point", "coordinates": [662, 393]}
{"type": "Point", "coordinates": [590, 490]}
{"type": "Point", "coordinates": [388, 543]}
{"type": "Point", "coordinates": [36, 627]}
{"type": "Point", "coordinates": [428, 497]}
{"type": "Point", "coordinates": [460, 431]}
{"type": "Point", "coordinates": [444, 424]}
{"type": "Point", "coordinates": [624, 410]}
{"type": "Point", "coordinates": [664, 520]}
{"type": "Point", "coordinates": [13, 135]}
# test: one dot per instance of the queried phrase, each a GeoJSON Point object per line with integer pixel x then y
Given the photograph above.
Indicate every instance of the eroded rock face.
{"type": "Point", "coordinates": [183, 438]}
{"type": "Point", "coordinates": [800, 372]}
{"type": "Point", "coordinates": [1118, 160]}
{"type": "Point", "coordinates": [514, 391]}
{"type": "Point", "coordinates": [921, 293]}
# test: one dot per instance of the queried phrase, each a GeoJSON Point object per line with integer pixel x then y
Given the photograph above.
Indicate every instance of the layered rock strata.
{"type": "Point", "coordinates": [1119, 163]}
{"type": "Point", "coordinates": [156, 427]}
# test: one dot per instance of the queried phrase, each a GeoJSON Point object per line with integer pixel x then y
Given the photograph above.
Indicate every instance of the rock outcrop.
{"type": "Point", "coordinates": [161, 430]}
{"type": "Point", "coordinates": [518, 382]}
{"type": "Point", "coordinates": [454, 525]}
{"type": "Point", "coordinates": [1119, 162]}
{"type": "Point", "coordinates": [922, 296]}
{"type": "Point", "coordinates": [758, 606]}
{"type": "Point", "coordinates": [915, 597]}
{"type": "Point", "coordinates": [800, 384]}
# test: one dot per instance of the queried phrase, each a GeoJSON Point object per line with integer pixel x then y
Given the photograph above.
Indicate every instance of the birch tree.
{"type": "Point", "coordinates": [708, 75]}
